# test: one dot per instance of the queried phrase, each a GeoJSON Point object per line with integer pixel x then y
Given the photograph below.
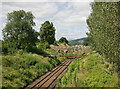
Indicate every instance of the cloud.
{"type": "Point", "coordinates": [75, 13]}
{"type": "Point", "coordinates": [70, 34]}
{"type": "Point", "coordinates": [46, 10]}
{"type": "Point", "coordinates": [68, 17]}
{"type": "Point", "coordinates": [49, 0]}
{"type": "Point", "coordinates": [40, 10]}
{"type": "Point", "coordinates": [38, 24]}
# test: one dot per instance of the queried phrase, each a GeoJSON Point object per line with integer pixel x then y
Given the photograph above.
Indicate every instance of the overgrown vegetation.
{"type": "Point", "coordinates": [24, 55]}
{"type": "Point", "coordinates": [105, 30]}
{"type": "Point", "coordinates": [92, 71]}
{"type": "Point", "coordinates": [22, 68]}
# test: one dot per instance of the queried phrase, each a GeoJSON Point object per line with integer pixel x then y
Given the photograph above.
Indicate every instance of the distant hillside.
{"type": "Point", "coordinates": [77, 41]}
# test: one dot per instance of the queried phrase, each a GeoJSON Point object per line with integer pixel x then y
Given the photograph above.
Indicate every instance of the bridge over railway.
{"type": "Point", "coordinates": [69, 56]}
{"type": "Point", "coordinates": [67, 48]}
{"type": "Point", "coordinates": [48, 81]}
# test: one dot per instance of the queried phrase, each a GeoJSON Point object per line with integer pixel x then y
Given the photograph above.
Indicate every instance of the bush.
{"type": "Point", "coordinates": [42, 66]}
{"type": "Point", "coordinates": [20, 52]}
{"type": "Point", "coordinates": [102, 62]}
{"type": "Point", "coordinates": [63, 40]}
{"type": "Point", "coordinates": [44, 45]}
{"type": "Point", "coordinates": [55, 43]}
{"type": "Point", "coordinates": [31, 61]}
{"type": "Point", "coordinates": [107, 65]}
{"type": "Point", "coordinates": [4, 48]}
{"type": "Point", "coordinates": [37, 50]}
{"type": "Point", "coordinates": [10, 76]}
{"type": "Point", "coordinates": [27, 73]}
{"type": "Point", "coordinates": [6, 62]}
{"type": "Point", "coordinates": [53, 62]}
{"type": "Point", "coordinates": [28, 62]}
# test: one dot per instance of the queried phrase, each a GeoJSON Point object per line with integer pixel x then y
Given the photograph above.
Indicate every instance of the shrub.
{"type": "Point", "coordinates": [63, 40]}
{"type": "Point", "coordinates": [111, 70]}
{"type": "Point", "coordinates": [37, 50]}
{"type": "Point", "coordinates": [6, 62]}
{"type": "Point", "coordinates": [53, 61]}
{"type": "Point", "coordinates": [117, 68]}
{"type": "Point", "coordinates": [102, 62]}
{"type": "Point", "coordinates": [107, 65]}
{"type": "Point", "coordinates": [20, 52]}
{"type": "Point", "coordinates": [43, 45]}
{"type": "Point", "coordinates": [27, 73]}
{"type": "Point", "coordinates": [4, 48]}
{"type": "Point", "coordinates": [46, 45]}
{"type": "Point", "coordinates": [10, 76]}
{"type": "Point", "coordinates": [28, 62]}
{"type": "Point", "coordinates": [42, 66]}
{"type": "Point", "coordinates": [31, 61]}
{"type": "Point", "coordinates": [55, 43]}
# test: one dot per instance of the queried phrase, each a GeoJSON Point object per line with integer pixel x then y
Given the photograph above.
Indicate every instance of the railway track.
{"type": "Point", "coordinates": [48, 80]}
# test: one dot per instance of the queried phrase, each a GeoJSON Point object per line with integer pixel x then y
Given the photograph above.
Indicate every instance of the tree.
{"type": "Point", "coordinates": [87, 41]}
{"type": "Point", "coordinates": [63, 40]}
{"type": "Point", "coordinates": [18, 32]}
{"type": "Point", "coordinates": [104, 29]}
{"type": "Point", "coordinates": [47, 32]}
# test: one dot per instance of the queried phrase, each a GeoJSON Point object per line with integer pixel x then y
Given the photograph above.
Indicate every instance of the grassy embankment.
{"type": "Point", "coordinates": [21, 69]}
{"type": "Point", "coordinates": [92, 71]}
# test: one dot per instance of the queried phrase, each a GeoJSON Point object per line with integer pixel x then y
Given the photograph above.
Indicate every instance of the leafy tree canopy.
{"type": "Point", "coordinates": [104, 29]}
{"type": "Point", "coordinates": [18, 32]}
{"type": "Point", "coordinates": [63, 40]}
{"type": "Point", "coordinates": [47, 32]}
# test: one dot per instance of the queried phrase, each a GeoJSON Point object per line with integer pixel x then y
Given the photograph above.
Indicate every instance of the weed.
{"type": "Point", "coordinates": [92, 73]}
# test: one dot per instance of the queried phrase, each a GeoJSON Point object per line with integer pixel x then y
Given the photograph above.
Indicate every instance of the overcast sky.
{"type": "Point", "coordinates": [69, 18]}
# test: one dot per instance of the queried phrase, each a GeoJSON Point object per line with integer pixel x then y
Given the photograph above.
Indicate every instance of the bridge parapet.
{"type": "Point", "coordinates": [67, 48]}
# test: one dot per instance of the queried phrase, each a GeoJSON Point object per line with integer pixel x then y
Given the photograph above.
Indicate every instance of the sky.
{"type": "Point", "coordinates": [68, 17]}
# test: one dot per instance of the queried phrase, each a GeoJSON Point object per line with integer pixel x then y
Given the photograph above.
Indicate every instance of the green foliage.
{"type": "Point", "coordinates": [52, 61]}
{"type": "Point", "coordinates": [47, 32]}
{"type": "Point", "coordinates": [37, 50]}
{"type": "Point", "coordinates": [107, 65]}
{"type": "Point", "coordinates": [5, 49]}
{"type": "Point", "coordinates": [10, 76]}
{"type": "Point", "coordinates": [21, 51]}
{"type": "Point", "coordinates": [102, 62]}
{"type": "Point", "coordinates": [87, 41]}
{"type": "Point", "coordinates": [23, 68]}
{"type": "Point", "coordinates": [63, 40]}
{"type": "Point", "coordinates": [70, 52]}
{"type": "Point", "coordinates": [40, 66]}
{"type": "Point", "coordinates": [105, 30]}
{"type": "Point", "coordinates": [89, 72]}
{"type": "Point", "coordinates": [18, 32]}
{"type": "Point", "coordinates": [41, 45]}
{"type": "Point", "coordinates": [55, 43]}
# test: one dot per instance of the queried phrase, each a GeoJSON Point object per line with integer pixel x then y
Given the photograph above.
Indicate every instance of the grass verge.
{"type": "Point", "coordinates": [92, 71]}
{"type": "Point", "coordinates": [20, 70]}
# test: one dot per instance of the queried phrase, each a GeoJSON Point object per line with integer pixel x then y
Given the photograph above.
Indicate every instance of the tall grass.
{"type": "Point", "coordinates": [22, 68]}
{"type": "Point", "coordinates": [89, 72]}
